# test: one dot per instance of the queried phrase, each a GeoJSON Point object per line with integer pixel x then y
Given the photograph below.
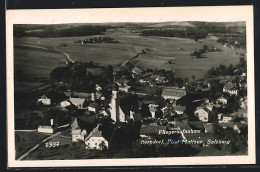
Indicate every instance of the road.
{"type": "Point", "coordinates": [36, 146]}
{"type": "Point", "coordinates": [43, 48]}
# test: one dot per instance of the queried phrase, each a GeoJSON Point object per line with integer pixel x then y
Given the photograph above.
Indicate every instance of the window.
{"type": "Point", "coordinates": [96, 144]}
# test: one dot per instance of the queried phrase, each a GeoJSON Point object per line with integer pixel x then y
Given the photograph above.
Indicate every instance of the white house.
{"type": "Point", "coordinates": [78, 135]}
{"type": "Point", "coordinates": [93, 107]}
{"type": "Point", "coordinates": [222, 100]}
{"type": "Point", "coordinates": [95, 140]}
{"type": "Point", "coordinates": [44, 100]}
{"type": "Point", "coordinates": [202, 114]}
{"type": "Point", "coordinates": [46, 129]}
{"type": "Point", "coordinates": [226, 118]}
{"type": "Point", "coordinates": [65, 103]}
{"type": "Point", "coordinates": [230, 88]}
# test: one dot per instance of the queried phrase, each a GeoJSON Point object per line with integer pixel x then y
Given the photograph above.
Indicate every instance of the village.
{"type": "Point", "coordinates": [140, 104]}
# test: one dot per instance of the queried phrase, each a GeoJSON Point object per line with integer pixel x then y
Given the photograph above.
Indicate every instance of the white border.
{"type": "Point", "coordinates": [156, 14]}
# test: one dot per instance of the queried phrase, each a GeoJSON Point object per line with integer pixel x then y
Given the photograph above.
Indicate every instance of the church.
{"type": "Point", "coordinates": [121, 112]}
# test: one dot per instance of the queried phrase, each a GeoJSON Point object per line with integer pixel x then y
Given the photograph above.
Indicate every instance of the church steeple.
{"type": "Point", "coordinates": [117, 114]}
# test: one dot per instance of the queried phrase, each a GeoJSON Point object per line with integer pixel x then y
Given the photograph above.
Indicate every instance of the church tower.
{"type": "Point", "coordinates": [117, 114]}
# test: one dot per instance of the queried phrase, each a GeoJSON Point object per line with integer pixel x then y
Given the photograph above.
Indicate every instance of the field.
{"type": "Point", "coordinates": [26, 140]}
{"type": "Point", "coordinates": [159, 51]}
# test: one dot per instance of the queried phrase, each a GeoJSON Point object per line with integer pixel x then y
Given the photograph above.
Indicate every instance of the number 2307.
{"type": "Point", "coordinates": [52, 144]}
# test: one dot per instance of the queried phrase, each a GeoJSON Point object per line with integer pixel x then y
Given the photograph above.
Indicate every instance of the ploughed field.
{"type": "Point", "coordinates": [160, 50]}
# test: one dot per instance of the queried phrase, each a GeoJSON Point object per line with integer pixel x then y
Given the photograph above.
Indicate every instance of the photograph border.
{"type": "Point", "coordinates": [216, 13]}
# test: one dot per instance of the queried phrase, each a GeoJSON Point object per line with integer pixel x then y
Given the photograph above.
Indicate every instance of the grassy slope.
{"type": "Point", "coordinates": [26, 140]}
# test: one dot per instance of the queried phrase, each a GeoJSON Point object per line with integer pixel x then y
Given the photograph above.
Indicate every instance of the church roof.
{"type": "Point", "coordinates": [115, 87]}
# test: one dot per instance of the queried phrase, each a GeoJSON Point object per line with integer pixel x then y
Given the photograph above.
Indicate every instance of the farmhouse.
{"type": "Point", "coordinates": [78, 135]}
{"type": "Point", "coordinates": [95, 140]}
{"type": "Point", "coordinates": [230, 88]}
{"type": "Point", "coordinates": [202, 113]}
{"type": "Point", "coordinates": [173, 93]}
{"type": "Point", "coordinates": [44, 100]}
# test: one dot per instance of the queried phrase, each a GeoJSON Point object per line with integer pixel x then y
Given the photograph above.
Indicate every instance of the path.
{"type": "Point", "coordinates": [43, 48]}
{"type": "Point", "coordinates": [36, 146]}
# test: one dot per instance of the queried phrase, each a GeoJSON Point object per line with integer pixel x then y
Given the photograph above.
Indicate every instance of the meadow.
{"type": "Point", "coordinates": [159, 51]}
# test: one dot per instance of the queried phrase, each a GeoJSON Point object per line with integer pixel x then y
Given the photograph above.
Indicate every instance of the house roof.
{"type": "Point", "coordinates": [174, 92]}
{"type": "Point", "coordinates": [196, 125]}
{"type": "Point", "coordinates": [179, 108]}
{"type": "Point", "coordinates": [161, 78]}
{"type": "Point", "coordinates": [230, 86]}
{"type": "Point", "coordinates": [76, 132]}
{"type": "Point", "coordinates": [208, 127]}
{"type": "Point", "coordinates": [43, 97]}
{"type": "Point", "coordinates": [137, 70]}
{"type": "Point", "coordinates": [80, 94]}
{"type": "Point", "coordinates": [77, 101]}
{"type": "Point", "coordinates": [224, 125]}
{"type": "Point", "coordinates": [94, 133]}
{"type": "Point", "coordinates": [183, 125]}
{"type": "Point", "coordinates": [93, 105]}
{"type": "Point", "coordinates": [202, 107]}
{"type": "Point", "coordinates": [67, 93]}
{"type": "Point", "coordinates": [74, 124]}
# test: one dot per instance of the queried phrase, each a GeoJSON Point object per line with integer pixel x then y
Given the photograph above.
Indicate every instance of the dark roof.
{"type": "Point", "coordinates": [179, 108]}
{"type": "Point", "coordinates": [196, 125]}
{"type": "Point", "coordinates": [115, 86]}
{"type": "Point", "coordinates": [230, 86]}
{"type": "Point", "coordinates": [94, 105]}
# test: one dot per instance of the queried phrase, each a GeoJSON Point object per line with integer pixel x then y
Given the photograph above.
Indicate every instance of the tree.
{"type": "Point", "coordinates": [193, 77]}
{"type": "Point", "coordinates": [61, 74]}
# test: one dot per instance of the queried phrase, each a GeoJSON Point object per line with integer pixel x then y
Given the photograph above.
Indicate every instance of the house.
{"type": "Point", "coordinates": [93, 107]}
{"type": "Point", "coordinates": [64, 103]}
{"type": "Point", "coordinates": [152, 110]}
{"type": "Point", "coordinates": [179, 109]}
{"type": "Point", "coordinates": [202, 113]}
{"type": "Point", "coordinates": [44, 100]}
{"type": "Point", "coordinates": [230, 88]}
{"type": "Point", "coordinates": [222, 100]}
{"type": "Point", "coordinates": [77, 102]}
{"type": "Point", "coordinates": [173, 93]}
{"type": "Point", "coordinates": [145, 81]}
{"type": "Point", "coordinates": [137, 71]}
{"type": "Point", "coordinates": [161, 79]}
{"type": "Point", "coordinates": [98, 88]}
{"type": "Point", "coordinates": [226, 118]}
{"type": "Point", "coordinates": [122, 82]}
{"type": "Point", "coordinates": [46, 129]}
{"type": "Point", "coordinates": [78, 135]}
{"type": "Point", "coordinates": [95, 140]}
{"type": "Point", "coordinates": [125, 89]}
